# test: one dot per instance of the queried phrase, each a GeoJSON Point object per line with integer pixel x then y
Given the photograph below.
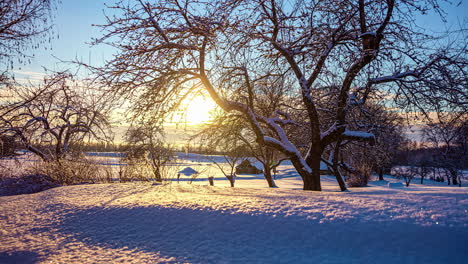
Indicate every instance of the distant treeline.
{"type": "Point", "coordinates": [9, 145]}
{"type": "Point", "coordinates": [414, 156]}
{"type": "Point", "coordinates": [432, 156]}
{"type": "Point", "coordinates": [122, 147]}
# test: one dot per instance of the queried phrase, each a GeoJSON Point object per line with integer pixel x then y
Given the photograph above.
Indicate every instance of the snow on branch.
{"type": "Point", "coordinates": [332, 130]}
{"type": "Point", "coordinates": [359, 135]}
{"type": "Point", "coordinates": [374, 34]}
{"type": "Point", "coordinates": [395, 77]}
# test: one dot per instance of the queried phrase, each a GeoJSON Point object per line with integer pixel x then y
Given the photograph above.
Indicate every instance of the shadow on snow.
{"type": "Point", "coordinates": [210, 236]}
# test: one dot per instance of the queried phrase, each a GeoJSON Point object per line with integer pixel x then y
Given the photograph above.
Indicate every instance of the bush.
{"type": "Point", "coordinates": [8, 146]}
{"type": "Point", "coordinates": [134, 169]}
{"type": "Point", "coordinates": [359, 177]}
{"type": "Point", "coordinates": [406, 173]}
{"type": "Point", "coordinates": [18, 178]}
{"type": "Point", "coordinates": [68, 172]}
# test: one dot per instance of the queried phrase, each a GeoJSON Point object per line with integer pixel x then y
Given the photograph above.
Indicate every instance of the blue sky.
{"type": "Point", "coordinates": [74, 19]}
{"type": "Point", "coordinates": [73, 23]}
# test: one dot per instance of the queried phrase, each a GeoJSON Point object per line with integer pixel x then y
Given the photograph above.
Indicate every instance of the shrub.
{"type": "Point", "coordinates": [78, 171]}
{"type": "Point", "coordinates": [134, 169]}
{"type": "Point", "coordinates": [405, 173]}
{"type": "Point", "coordinates": [359, 177]}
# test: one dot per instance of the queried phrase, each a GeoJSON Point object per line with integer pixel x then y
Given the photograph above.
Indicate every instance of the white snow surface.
{"type": "Point", "coordinates": [358, 134]}
{"type": "Point", "coordinates": [197, 223]}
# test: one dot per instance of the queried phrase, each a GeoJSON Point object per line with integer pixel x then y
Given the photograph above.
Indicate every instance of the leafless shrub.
{"type": "Point", "coordinates": [148, 150]}
{"type": "Point", "coordinates": [405, 173]}
{"type": "Point", "coordinates": [360, 176]}
{"type": "Point", "coordinates": [11, 168]}
{"type": "Point", "coordinates": [67, 172]}
{"type": "Point", "coordinates": [134, 170]}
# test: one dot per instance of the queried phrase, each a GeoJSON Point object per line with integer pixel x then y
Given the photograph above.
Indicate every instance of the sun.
{"type": "Point", "coordinates": [199, 110]}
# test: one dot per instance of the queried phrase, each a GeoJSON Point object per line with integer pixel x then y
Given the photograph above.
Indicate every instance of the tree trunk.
{"type": "Point", "coordinates": [381, 178]}
{"type": "Point", "coordinates": [454, 178]}
{"type": "Point", "coordinates": [232, 179]}
{"type": "Point", "coordinates": [312, 180]}
{"type": "Point", "coordinates": [157, 174]}
{"type": "Point", "coordinates": [339, 178]}
{"type": "Point", "coordinates": [267, 174]}
{"type": "Point", "coordinates": [211, 180]}
{"type": "Point", "coordinates": [336, 168]}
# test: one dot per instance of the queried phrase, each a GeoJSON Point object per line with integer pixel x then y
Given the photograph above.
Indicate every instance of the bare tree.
{"type": "Point", "coordinates": [48, 119]}
{"type": "Point", "coordinates": [269, 158]}
{"type": "Point", "coordinates": [169, 50]}
{"type": "Point", "coordinates": [223, 136]}
{"type": "Point", "coordinates": [406, 173]}
{"type": "Point", "coordinates": [386, 125]}
{"type": "Point", "coordinates": [146, 143]}
{"type": "Point", "coordinates": [447, 134]}
{"type": "Point", "coordinates": [232, 157]}
{"type": "Point", "coordinates": [234, 130]}
{"type": "Point", "coordinates": [25, 25]}
{"type": "Point", "coordinates": [411, 170]}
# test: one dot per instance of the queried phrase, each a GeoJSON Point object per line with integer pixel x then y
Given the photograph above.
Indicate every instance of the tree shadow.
{"type": "Point", "coordinates": [210, 236]}
{"type": "Point", "coordinates": [19, 257]}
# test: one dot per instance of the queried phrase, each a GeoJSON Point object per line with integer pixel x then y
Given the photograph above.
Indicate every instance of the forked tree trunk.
{"type": "Point", "coordinates": [311, 180]}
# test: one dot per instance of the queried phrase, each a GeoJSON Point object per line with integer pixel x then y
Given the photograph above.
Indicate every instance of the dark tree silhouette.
{"type": "Point", "coordinates": [169, 50]}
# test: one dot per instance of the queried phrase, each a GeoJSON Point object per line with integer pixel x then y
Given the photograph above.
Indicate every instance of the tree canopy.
{"type": "Point", "coordinates": [344, 52]}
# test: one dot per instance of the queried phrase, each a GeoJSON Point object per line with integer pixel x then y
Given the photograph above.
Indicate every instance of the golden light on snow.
{"type": "Point", "coordinates": [199, 110]}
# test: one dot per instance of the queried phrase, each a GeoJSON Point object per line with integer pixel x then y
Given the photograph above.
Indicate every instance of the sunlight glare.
{"type": "Point", "coordinates": [199, 110]}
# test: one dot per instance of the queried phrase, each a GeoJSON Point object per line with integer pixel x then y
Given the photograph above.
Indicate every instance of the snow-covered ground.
{"type": "Point", "coordinates": [196, 223]}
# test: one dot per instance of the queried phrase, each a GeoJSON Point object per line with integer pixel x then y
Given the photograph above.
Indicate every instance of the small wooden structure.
{"type": "Point", "coordinates": [247, 168]}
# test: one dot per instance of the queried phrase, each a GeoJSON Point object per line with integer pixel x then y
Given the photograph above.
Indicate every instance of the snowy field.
{"type": "Point", "coordinates": [196, 223]}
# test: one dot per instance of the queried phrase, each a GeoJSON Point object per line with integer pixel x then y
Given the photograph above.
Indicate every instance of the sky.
{"type": "Point", "coordinates": [74, 21]}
